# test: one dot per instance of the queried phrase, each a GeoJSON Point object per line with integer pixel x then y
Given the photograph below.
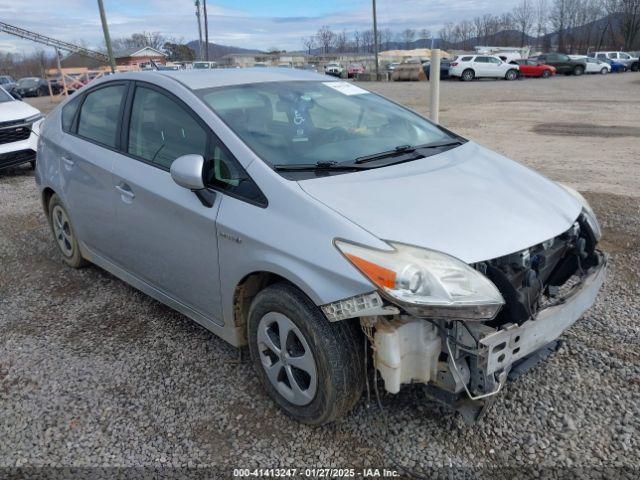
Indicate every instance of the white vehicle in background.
{"type": "Point", "coordinates": [595, 65]}
{"type": "Point", "coordinates": [468, 67]}
{"type": "Point", "coordinates": [201, 65]}
{"type": "Point", "coordinates": [18, 143]}
{"type": "Point", "coordinates": [333, 69]}
{"type": "Point", "coordinates": [631, 62]}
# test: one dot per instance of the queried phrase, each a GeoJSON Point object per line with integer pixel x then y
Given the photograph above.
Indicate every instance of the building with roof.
{"type": "Point", "coordinates": [140, 57]}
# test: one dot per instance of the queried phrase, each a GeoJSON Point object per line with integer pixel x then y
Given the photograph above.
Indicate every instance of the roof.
{"type": "Point", "coordinates": [130, 52]}
{"type": "Point", "coordinates": [220, 77]}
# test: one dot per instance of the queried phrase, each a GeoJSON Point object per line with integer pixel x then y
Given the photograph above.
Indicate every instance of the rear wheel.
{"type": "Point", "coordinates": [310, 367]}
{"type": "Point", "coordinates": [604, 71]}
{"type": "Point", "coordinates": [511, 75]}
{"type": "Point", "coordinates": [467, 75]}
{"type": "Point", "coordinates": [64, 233]}
{"type": "Point", "coordinates": [546, 74]}
{"type": "Point", "coordinates": [635, 67]}
{"type": "Point", "coordinates": [577, 71]}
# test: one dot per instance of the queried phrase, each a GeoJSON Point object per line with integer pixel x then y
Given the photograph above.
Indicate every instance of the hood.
{"type": "Point", "coordinates": [469, 202]}
{"type": "Point", "coordinates": [16, 110]}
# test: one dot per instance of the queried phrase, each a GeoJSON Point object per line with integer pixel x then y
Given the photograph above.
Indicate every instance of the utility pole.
{"type": "Point", "coordinates": [107, 38]}
{"type": "Point", "coordinates": [206, 31]}
{"type": "Point", "coordinates": [375, 39]}
{"type": "Point", "coordinates": [199, 29]}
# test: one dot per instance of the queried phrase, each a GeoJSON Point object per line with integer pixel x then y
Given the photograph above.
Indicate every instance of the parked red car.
{"type": "Point", "coordinates": [531, 68]}
{"type": "Point", "coordinates": [354, 69]}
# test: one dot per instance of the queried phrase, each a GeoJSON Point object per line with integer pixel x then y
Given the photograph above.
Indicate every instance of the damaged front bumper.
{"type": "Point", "coordinates": [461, 361]}
{"type": "Point", "coordinates": [513, 342]}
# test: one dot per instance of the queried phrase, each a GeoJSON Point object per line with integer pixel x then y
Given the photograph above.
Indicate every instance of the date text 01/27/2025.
{"type": "Point", "coordinates": [314, 473]}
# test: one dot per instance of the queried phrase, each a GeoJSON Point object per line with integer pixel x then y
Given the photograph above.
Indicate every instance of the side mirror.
{"type": "Point", "coordinates": [187, 171]}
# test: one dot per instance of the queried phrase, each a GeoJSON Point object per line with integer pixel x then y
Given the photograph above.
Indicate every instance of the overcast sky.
{"type": "Point", "coordinates": [258, 24]}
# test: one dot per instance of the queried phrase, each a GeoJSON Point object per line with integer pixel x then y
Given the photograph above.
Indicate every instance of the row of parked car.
{"type": "Point", "coordinates": [468, 67]}
{"type": "Point", "coordinates": [29, 86]}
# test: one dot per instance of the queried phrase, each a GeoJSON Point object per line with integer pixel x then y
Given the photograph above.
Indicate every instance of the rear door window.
{"type": "Point", "coordinates": [100, 115]}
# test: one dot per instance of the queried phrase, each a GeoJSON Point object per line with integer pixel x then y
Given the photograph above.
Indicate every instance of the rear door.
{"type": "Point", "coordinates": [167, 237]}
{"type": "Point", "coordinates": [87, 153]}
{"type": "Point", "coordinates": [481, 66]}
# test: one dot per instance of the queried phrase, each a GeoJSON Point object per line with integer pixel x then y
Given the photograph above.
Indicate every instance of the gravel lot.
{"type": "Point", "coordinates": [94, 373]}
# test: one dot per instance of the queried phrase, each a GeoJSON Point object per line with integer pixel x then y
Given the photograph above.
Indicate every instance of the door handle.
{"type": "Point", "coordinates": [125, 192]}
{"type": "Point", "coordinates": [68, 163]}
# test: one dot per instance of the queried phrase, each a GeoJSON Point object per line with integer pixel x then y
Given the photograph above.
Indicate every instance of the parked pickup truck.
{"type": "Point", "coordinates": [563, 63]}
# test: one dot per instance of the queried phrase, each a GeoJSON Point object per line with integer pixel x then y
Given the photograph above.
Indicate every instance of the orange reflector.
{"type": "Point", "coordinates": [383, 277]}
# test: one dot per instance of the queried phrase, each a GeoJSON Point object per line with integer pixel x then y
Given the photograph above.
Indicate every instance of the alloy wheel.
{"type": "Point", "coordinates": [62, 230]}
{"type": "Point", "coordinates": [287, 358]}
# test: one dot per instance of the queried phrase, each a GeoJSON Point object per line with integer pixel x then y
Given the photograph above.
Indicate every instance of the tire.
{"type": "Point", "coordinates": [330, 380]}
{"type": "Point", "coordinates": [511, 75]}
{"type": "Point", "coordinates": [577, 71]}
{"type": "Point", "coordinates": [546, 74]}
{"type": "Point", "coordinates": [635, 67]}
{"type": "Point", "coordinates": [64, 233]}
{"type": "Point", "coordinates": [32, 164]}
{"type": "Point", "coordinates": [467, 75]}
{"type": "Point", "coordinates": [604, 71]}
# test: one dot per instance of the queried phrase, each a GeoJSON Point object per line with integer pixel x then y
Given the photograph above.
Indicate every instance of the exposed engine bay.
{"type": "Point", "coordinates": [546, 288]}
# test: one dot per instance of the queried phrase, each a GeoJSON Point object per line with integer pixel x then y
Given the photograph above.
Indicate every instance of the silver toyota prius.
{"type": "Point", "coordinates": [336, 233]}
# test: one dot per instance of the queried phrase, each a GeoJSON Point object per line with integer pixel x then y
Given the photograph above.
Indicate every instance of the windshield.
{"type": "Point", "coordinates": [27, 82]}
{"type": "Point", "coordinates": [4, 96]}
{"type": "Point", "coordinates": [304, 122]}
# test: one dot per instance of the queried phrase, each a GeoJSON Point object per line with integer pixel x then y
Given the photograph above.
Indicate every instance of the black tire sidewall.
{"type": "Point", "coordinates": [76, 260]}
{"type": "Point", "coordinates": [334, 348]}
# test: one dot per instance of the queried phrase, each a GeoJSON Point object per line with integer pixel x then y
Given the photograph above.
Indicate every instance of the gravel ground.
{"type": "Point", "coordinates": [96, 374]}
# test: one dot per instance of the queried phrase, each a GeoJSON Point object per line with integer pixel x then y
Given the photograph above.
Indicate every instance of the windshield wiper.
{"type": "Point", "coordinates": [405, 149]}
{"type": "Point", "coordinates": [297, 167]}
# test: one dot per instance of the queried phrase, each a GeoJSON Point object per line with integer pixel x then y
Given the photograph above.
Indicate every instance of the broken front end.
{"type": "Point", "coordinates": [461, 329]}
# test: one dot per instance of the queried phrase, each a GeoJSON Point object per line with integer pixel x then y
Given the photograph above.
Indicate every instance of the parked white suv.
{"type": "Point", "coordinates": [333, 69]}
{"type": "Point", "coordinates": [630, 61]}
{"type": "Point", "coordinates": [468, 67]}
{"type": "Point", "coordinates": [18, 143]}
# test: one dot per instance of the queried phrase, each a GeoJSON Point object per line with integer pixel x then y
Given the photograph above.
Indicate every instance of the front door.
{"type": "Point", "coordinates": [167, 236]}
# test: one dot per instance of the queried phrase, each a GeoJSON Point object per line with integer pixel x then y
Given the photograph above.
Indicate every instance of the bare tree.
{"type": "Point", "coordinates": [425, 34]}
{"type": "Point", "coordinates": [541, 19]}
{"type": "Point", "coordinates": [326, 38]}
{"type": "Point", "coordinates": [341, 42]}
{"type": "Point", "coordinates": [387, 37]}
{"type": "Point", "coordinates": [309, 42]}
{"type": "Point", "coordinates": [408, 36]}
{"type": "Point", "coordinates": [524, 15]}
{"type": "Point", "coordinates": [630, 22]}
{"type": "Point", "coordinates": [558, 20]}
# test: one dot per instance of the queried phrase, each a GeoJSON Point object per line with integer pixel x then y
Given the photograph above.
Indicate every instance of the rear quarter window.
{"type": "Point", "coordinates": [69, 113]}
{"type": "Point", "coordinates": [466, 59]}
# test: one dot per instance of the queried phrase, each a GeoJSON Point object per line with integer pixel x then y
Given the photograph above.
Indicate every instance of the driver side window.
{"type": "Point", "coordinates": [161, 130]}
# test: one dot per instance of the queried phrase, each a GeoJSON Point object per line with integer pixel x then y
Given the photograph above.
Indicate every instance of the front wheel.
{"type": "Point", "coordinates": [577, 71]}
{"type": "Point", "coordinates": [511, 75]}
{"type": "Point", "coordinates": [635, 67]}
{"type": "Point", "coordinates": [546, 74]}
{"type": "Point", "coordinates": [604, 71]}
{"type": "Point", "coordinates": [467, 75]}
{"type": "Point", "coordinates": [311, 368]}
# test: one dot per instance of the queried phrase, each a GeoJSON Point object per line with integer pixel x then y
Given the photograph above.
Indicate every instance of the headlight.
{"type": "Point", "coordinates": [425, 282]}
{"type": "Point", "coordinates": [587, 211]}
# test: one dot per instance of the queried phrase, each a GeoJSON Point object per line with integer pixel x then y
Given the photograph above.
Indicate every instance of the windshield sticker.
{"type": "Point", "coordinates": [345, 88]}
